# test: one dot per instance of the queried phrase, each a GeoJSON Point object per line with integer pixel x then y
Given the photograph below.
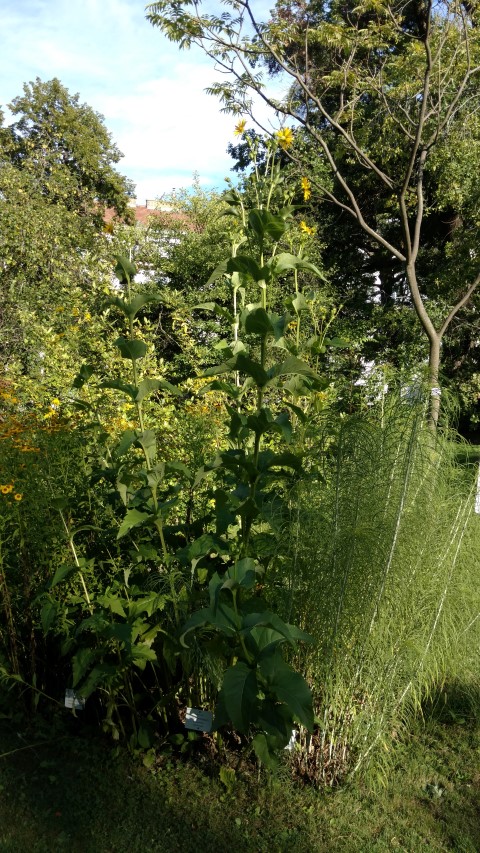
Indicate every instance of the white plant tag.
{"type": "Point", "coordinates": [293, 739]}
{"type": "Point", "coordinates": [198, 720]}
{"type": "Point", "coordinates": [73, 701]}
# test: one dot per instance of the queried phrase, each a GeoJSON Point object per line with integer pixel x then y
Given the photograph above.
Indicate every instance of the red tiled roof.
{"type": "Point", "coordinates": [143, 214]}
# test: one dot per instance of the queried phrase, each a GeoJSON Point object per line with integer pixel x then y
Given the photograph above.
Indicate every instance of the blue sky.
{"type": "Point", "coordinates": [150, 93]}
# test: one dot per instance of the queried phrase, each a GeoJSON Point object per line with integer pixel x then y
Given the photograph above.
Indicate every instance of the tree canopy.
{"type": "Point", "coordinates": [67, 149]}
{"type": "Point", "coordinates": [387, 95]}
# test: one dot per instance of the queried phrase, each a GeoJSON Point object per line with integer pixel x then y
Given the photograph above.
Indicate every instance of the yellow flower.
{"type": "Point", "coordinates": [18, 496]}
{"type": "Point", "coordinates": [5, 490]}
{"type": "Point", "coordinates": [55, 402]}
{"type": "Point", "coordinates": [306, 229]}
{"type": "Point", "coordinates": [240, 127]}
{"type": "Point", "coordinates": [87, 316]}
{"type": "Point", "coordinates": [307, 189]}
{"type": "Point", "coordinates": [285, 137]}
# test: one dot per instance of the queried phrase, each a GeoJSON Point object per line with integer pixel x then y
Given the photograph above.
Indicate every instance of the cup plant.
{"type": "Point", "coordinates": [185, 589]}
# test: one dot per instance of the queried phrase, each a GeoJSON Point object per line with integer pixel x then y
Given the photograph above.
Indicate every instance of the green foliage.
{"type": "Point", "coordinates": [66, 149]}
{"type": "Point", "coordinates": [56, 175]}
{"type": "Point", "coordinates": [384, 98]}
{"type": "Point", "coordinates": [385, 544]}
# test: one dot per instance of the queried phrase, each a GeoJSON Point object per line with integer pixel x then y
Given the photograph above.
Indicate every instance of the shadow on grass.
{"type": "Point", "coordinates": [71, 794]}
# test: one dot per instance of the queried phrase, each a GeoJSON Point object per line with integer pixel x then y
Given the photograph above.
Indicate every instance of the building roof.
{"type": "Point", "coordinates": [151, 209]}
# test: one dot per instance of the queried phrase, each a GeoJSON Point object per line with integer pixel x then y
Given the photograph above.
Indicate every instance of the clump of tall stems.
{"type": "Point", "coordinates": [383, 574]}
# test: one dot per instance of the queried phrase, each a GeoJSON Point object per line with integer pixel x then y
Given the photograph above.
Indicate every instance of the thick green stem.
{"type": "Point", "coordinates": [77, 562]}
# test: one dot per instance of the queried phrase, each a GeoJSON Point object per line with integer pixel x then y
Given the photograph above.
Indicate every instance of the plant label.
{"type": "Point", "coordinates": [73, 701]}
{"type": "Point", "coordinates": [198, 720]}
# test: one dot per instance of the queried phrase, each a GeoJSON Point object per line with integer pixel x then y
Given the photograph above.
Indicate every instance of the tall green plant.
{"type": "Point", "coordinates": [226, 554]}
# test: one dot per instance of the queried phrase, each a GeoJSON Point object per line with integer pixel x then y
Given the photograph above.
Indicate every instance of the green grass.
{"type": "Point", "coordinates": [72, 794]}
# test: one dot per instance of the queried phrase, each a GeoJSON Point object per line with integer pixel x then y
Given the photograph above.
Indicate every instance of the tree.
{"type": "Point", "coordinates": [66, 147]}
{"type": "Point", "coordinates": [387, 94]}
{"type": "Point", "coordinates": [55, 261]}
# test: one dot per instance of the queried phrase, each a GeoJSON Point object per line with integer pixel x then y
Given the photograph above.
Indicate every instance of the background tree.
{"type": "Point", "coordinates": [66, 147]}
{"type": "Point", "coordinates": [383, 91]}
{"type": "Point", "coordinates": [56, 174]}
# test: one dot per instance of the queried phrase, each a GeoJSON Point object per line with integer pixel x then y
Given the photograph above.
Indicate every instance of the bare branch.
{"type": "Point", "coordinates": [460, 304]}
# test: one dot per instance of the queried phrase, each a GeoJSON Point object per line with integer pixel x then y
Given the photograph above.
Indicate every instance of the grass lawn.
{"type": "Point", "coordinates": [71, 793]}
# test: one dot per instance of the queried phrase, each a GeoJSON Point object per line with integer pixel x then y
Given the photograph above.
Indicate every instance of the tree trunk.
{"type": "Point", "coordinates": [435, 390]}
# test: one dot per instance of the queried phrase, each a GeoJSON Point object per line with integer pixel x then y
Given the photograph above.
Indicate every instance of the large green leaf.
{"type": "Point", "coordinates": [126, 440]}
{"type": "Point", "coordinates": [134, 306]}
{"type": "Point", "coordinates": [146, 387]}
{"type": "Point", "coordinates": [286, 261]}
{"type": "Point", "coordinates": [82, 661]}
{"type": "Point", "coordinates": [132, 519]}
{"type": "Point", "coordinates": [264, 750]}
{"type": "Point", "coordinates": [118, 385]}
{"type": "Point", "coordinates": [219, 310]}
{"type": "Point", "coordinates": [248, 266]}
{"type": "Point", "coordinates": [62, 573]}
{"type": "Point", "coordinates": [294, 365]}
{"type": "Point", "coordinates": [83, 375]}
{"type": "Point", "coordinates": [148, 442]}
{"type": "Point", "coordinates": [257, 322]}
{"type": "Point", "coordinates": [217, 273]}
{"type": "Point", "coordinates": [242, 574]}
{"type": "Point", "coordinates": [263, 222]}
{"type": "Point", "coordinates": [289, 686]}
{"type": "Point", "coordinates": [124, 269]}
{"type": "Point", "coordinates": [240, 690]}
{"type": "Point", "coordinates": [243, 364]}
{"type": "Point", "coordinates": [197, 620]}
{"type": "Point", "coordinates": [141, 653]}
{"type": "Point", "coordinates": [48, 615]}
{"type": "Point", "coordinates": [131, 348]}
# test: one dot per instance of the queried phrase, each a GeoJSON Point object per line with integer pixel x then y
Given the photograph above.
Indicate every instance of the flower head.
{"type": "Point", "coordinates": [284, 137]}
{"type": "Point", "coordinates": [307, 189]}
{"type": "Point", "coordinates": [18, 496]}
{"type": "Point", "coordinates": [240, 127]}
{"type": "Point", "coordinates": [6, 489]}
{"type": "Point", "coordinates": [307, 229]}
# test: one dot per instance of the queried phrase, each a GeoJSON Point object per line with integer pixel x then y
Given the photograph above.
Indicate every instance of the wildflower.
{"type": "Point", "coordinates": [240, 127]}
{"type": "Point", "coordinates": [285, 137]}
{"type": "Point", "coordinates": [5, 490]}
{"type": "Point", "coordinates": [307, 189]}
{"type": "Point", "coordinates": [87, 316]}
{"type": "Point", "coordinates": [306, 229]}
{"type": "Point", "coordinates": [55, 402]}
{"type": "Point", "coordinates": [18, 497]}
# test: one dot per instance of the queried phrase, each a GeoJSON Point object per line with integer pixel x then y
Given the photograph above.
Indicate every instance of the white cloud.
{"type": "Point", "coordinates": [152, 96]}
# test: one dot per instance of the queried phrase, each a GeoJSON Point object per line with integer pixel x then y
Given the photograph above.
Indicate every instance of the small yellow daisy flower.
{"type": "Point", "coordinates": [18, 496]}
{"type": "Point", "coordinates": [307, 189]}
{"type": "Point", "coordinates": [285, 137]}
{"type": "Point", "coordinates": [306, 229]}
{"type": "Point", "coordinates": [240, 127]}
